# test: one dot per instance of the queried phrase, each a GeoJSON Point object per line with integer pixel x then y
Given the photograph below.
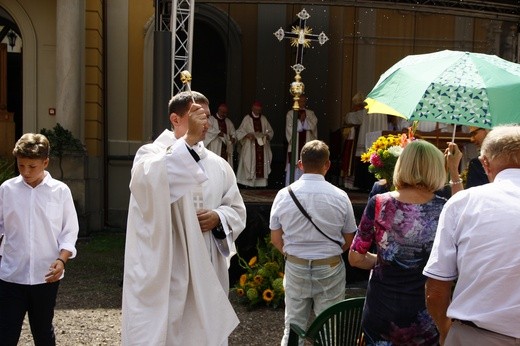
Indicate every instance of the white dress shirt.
{"type": "Point", "coordinates": [477, 244]}
{"type": "Point", "coordinates": [38, 223]}
{"type": "Point", "coordinates": [328, 206]}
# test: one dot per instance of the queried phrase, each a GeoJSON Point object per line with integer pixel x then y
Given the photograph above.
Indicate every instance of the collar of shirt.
{"type": "Point", "coordinates": [167, 138]}
{"type": "Point", "coordinates": [46, 180]}
{"type": "Point", "coordinates": [508, 174]}
{"type": "Point", "coordinates": [312, 176]}
{"type": "Point", "coordinates": [199, 149]}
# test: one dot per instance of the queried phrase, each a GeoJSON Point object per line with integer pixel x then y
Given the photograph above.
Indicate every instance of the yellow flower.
{"type": "Point", "coordinates": [258, 279]}
{"type": "Point", "coordinates": [262, 282]}
{"type": "Point", "coordinates": [243, 279]}
{"type": "Point", "coordinates": [382, 155]}
{"type": "Point", "coordinates": [366, 157]}
{"type": "Point", "coordinates": [252, 262]}
{"type": "Point", "coordinates": [268, 295]}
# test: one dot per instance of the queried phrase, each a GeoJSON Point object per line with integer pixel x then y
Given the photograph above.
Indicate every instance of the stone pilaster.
{"type": "Point", "coordinates": [69, 31]}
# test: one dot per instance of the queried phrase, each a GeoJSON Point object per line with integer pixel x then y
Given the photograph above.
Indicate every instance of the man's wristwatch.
{"type": "Point", "coordinates": [218, 232]}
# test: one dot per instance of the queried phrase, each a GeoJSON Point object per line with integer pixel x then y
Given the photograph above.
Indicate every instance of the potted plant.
{"type": "Point", "coordinates": [71, 167]}
{"type": "Point", "coordinates": [6, 169]}
{"type": "Point", "coordinates": [62, 143]}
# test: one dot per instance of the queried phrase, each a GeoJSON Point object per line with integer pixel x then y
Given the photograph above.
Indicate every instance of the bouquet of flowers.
{"type": "Point", "coordinates": [262, 282]}
{"type": "Point", "coordinates": [385, 151]}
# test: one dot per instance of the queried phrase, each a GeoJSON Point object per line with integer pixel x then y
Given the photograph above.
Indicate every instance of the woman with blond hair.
{"type": "Point", "coordinates": [402, 224]}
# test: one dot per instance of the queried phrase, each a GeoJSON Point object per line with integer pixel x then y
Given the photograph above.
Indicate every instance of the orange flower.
{"type": "Point", "coordinates": [258, 279]}
{"type": "Point", "coordinates": [240, 292]}
{"type": "Point", "coordinates": [243, 279]}
{"type": "Point", "coordinates": [268, 295]}
{"type": "Point", "coordinates": [252, 262]}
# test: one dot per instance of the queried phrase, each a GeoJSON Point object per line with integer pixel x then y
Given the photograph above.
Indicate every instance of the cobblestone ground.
{"type": "Point", "coordinates": [101, 326]}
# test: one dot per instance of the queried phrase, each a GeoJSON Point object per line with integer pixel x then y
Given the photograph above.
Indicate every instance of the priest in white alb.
{"type": "Point", "coordinates": [221, 136]}
{"type": "Point", "coordinates": [306, 131]}
{"type": "Point", "coordinates": [185, 213]}
{"type": "Point", "coordinates": [254, 135]}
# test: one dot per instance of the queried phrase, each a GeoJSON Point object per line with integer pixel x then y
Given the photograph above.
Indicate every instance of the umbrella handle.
{"type": "Point", "coordinates": [453, 136]}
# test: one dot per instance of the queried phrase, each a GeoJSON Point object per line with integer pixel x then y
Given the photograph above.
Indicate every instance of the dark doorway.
{"type": "Point", "coordinates": [15, 90]}
{"type": "Point", "coordinates": [209, 64]}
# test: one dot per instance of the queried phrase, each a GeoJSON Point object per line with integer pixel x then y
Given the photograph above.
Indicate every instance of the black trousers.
{"type": "Point", "coordinates": [36, 300]}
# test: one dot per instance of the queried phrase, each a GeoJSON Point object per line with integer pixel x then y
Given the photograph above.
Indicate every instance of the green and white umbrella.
{"type": "Point", "coordinates": [452, 87]}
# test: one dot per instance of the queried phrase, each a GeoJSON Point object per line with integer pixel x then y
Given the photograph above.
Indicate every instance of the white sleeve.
{"type": "Point", "coordinates": [442, 264]}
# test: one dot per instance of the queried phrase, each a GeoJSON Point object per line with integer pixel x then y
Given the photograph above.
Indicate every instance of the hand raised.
{"type": "Point", "coordinates": [197, 124]}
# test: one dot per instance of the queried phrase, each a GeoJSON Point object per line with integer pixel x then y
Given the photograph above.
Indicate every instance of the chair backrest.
{"type": "Point", "coordinates": [340, 324]}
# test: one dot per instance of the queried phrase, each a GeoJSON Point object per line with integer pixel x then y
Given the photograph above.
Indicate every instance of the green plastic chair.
{"type": "Point", "coordinates": [339, 324]}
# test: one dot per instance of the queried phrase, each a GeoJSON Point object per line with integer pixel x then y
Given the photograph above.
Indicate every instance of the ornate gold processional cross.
{"type": "Point", "coordinates": [300, 37]}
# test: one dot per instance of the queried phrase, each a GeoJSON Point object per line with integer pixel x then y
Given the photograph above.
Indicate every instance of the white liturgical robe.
{"type": "Point", "coordinates": [246, 172]}
{"type": "Point", "coordinates": [176, 280]}
{"type": "Point", "coordinates": [214, 142]}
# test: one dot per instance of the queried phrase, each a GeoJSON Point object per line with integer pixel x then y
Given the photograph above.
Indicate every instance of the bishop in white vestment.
{"type": "Point", "coordinates": [254, 134]}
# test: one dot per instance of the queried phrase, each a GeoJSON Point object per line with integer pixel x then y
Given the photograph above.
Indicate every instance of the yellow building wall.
{"type": "Point", "coordinates": [94, 71]}
{"type": "Point", "coordinates": [139, 13]}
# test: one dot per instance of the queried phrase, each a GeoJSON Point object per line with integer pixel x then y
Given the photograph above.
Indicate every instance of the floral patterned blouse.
{"type": "Point", "coordinates": [403, 233]}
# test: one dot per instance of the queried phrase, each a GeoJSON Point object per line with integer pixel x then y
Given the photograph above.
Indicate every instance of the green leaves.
{"type": "Point", "coordinates": [62, 141]}
{"type": "Point", "coordinates": [6, 169]}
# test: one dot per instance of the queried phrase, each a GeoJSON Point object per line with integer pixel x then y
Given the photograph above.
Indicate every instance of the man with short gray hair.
{"type": "Point", "coordinates": [475, 247]}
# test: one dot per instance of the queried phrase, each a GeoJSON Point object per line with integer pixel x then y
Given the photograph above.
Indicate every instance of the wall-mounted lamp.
{"type": "Point", "coordinates": [11, 37]}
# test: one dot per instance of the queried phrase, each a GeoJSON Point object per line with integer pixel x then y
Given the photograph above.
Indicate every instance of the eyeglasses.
{"type": "Point", "coordinates": [474, 132]}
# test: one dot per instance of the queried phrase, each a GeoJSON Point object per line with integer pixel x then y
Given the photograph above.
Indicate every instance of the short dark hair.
{"type": "Point", "coordinates": [314, 155]}
{"type": "Point", "coordinates": [180, 104]}
{"type": "Point", "coordinates": [32, 146]}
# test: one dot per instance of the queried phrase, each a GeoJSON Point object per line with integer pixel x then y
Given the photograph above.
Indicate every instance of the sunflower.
{"type": "Point", "coordinates": [252, 262]}
{"type": "Point", "coordinates": [383, 153]}
{"type": "Point", "coordinates": [262, 282]}
{"type": "Point", "coordinates": [268, 295]}
{"type": "Point", "coordinates": [243, 279]}
{"type": "Point", "coordinates": [258, 279]}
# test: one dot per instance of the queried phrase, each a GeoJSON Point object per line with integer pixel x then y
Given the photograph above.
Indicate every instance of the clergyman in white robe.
{"type": "Point", "coordinates": [175, 287]}
{"type": "Point", "coordinates": [310, 127]}
{"type": "Point", "coordinates": [214, 141]}
{"type": "Point", "coordinates": [246, 172]}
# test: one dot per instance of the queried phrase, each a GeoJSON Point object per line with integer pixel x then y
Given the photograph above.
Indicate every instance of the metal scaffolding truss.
{"type": "Point", "coordinates": [499, 9]}
{"type": "Point", "coordinates": [163, 14]}
{"type": "Point", "coordinates": [182, 40]}
{"type": "Point", "coordinates": [504, 7]}
{"type": "Point", "coordinates": [176, 16]}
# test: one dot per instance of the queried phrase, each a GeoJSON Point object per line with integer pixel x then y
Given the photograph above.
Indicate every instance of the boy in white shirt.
{"type": "Point", "coordinates": [40, 227]}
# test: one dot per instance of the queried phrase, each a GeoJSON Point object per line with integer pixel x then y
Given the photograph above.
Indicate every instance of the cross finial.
{"type": "Point", "coordinates": [301, 37]}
